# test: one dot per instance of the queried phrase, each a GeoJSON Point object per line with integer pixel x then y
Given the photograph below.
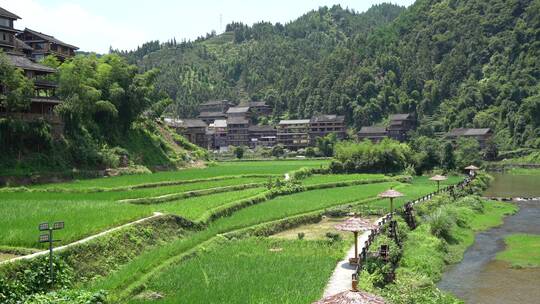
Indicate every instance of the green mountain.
{"type": "Point", "coordinates": [455, 63]}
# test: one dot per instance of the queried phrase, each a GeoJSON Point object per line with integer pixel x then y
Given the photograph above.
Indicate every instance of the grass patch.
{"type": "Point", "coordinates": [493, 215]}
{"type": "Point", "coordinates": [316, 231]}
{"type": "Point", "coordinates": [522, 250]}
{"type": "Point", "coordinates": [523, 171]}
{"type": "Point", "coordinates": [241, 271]}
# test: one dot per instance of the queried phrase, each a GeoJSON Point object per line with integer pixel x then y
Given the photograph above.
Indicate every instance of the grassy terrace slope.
{"type": "Point", "coordinates": [220, 169]}
{"type": "Point", "coordinates": [152, 262]}
{"type": "Point", "coordinates": [89, 213]}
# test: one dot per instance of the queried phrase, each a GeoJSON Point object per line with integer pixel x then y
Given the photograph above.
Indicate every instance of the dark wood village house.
{"type": "Point", "coordinates": [322, 125]}
{"type": "Point", "coordinates": [481, 135]}
{"type": "Point", "coordinates": [22, 54]}
{"type": "Point", "coordinates": [193, 130]}
{"type": "Point", "coordinates": [293, 134]}
{"type": "Point", "coordinates": [398, 128]}
{"type": "Point", "coordinates": [262, 136]}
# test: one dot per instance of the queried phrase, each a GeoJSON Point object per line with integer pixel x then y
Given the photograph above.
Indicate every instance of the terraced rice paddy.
{"type": "Point", "coordinates": [221, 169]}
{"type": "Point", "coordinates": [220, 276]}
{"type": "Point", "coordinates": [86, 217]}
{"type": "Point", "coordinates": [87, 211]}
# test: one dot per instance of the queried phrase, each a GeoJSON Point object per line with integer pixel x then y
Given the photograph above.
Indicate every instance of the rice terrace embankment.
{"type": "Point", "coordinates": [135, 260]}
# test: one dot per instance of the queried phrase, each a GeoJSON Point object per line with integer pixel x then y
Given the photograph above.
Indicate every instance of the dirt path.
{"type": "Point", "coordinates": [37, 254]}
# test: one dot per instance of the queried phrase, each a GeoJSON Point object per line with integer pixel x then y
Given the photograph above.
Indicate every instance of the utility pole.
{"type": "Point", "coordinates": [48, 238]}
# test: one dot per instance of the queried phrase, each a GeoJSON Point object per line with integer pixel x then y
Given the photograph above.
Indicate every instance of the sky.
{"type": "Point", "coordinates": [96, 25]}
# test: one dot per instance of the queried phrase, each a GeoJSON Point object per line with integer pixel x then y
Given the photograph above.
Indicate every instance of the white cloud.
{"type": "Point", "coordinates": [74, 25]}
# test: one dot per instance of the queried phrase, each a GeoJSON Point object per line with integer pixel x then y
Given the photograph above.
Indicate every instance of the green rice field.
{"type": "Point", "coordinates": [220, 169]}
{"type": "Point", "coordinates": [92, 206]}
{"type": "Point", "coordinates": [221, 274]}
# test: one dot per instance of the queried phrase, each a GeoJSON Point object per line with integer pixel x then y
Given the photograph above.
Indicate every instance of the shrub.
{"type": "Point", "coordinates": [472, 202]}
{"type": "Point", "coordinates": [21, 280]}
{"type": "Point", "coordinates": [441, 223]}
{"type": "Point", "coordinates": [302, 173]}
{"type": "Point", "coordinates": [336, 167]}
{"type": "Point", "coordinates": [68, 297]}
{"type": "Point", "coordinates": [423, 255]}
{"type": "Point", "coordinates": [334, 237]}
{"type": "Point", "coordinates": [239, 152]}
{"type": "Point", "coordinates": [310, 152]}
{"type": "Point", "coordinates": [301, 235]}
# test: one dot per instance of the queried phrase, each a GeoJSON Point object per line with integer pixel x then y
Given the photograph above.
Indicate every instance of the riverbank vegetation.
{"type": "Point", "coordinates": [522, 250]}
{"type": "Point", "coordinates": [446, 228]}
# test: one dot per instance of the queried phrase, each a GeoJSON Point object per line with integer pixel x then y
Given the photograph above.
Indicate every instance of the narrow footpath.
{"type": "Point", "coordinates": [341, 279]}
{"type": "Point", "coordinates": [37, 254]}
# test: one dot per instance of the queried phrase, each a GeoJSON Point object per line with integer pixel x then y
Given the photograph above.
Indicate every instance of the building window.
{"type": "Point", "coordinates": [5, 22]}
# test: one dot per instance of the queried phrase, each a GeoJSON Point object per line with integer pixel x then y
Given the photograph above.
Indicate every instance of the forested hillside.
{"type": "Point", "coordinates": [471, 63]}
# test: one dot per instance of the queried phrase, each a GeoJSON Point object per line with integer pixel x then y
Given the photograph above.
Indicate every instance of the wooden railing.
{"type": "Point", "coordinates": [407, 208]}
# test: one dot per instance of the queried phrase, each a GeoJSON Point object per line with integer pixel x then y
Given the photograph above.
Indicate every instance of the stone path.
{"type": "Point", "coordinates": [34, 255]}
{"type": "Point", "coordinates": [341, 279]}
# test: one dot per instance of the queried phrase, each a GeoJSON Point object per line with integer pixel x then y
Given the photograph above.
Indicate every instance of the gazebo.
{"type": "Point", "coordinates": [438, 179]}
{"type": "Point", "coordinates": [472, 169]}
{"type": "Point", "coordinates": [355, 225]}
{"type": "Point", "coordinates": [391, 194]}
{"type": "Point", "coordinates": [352, 297]}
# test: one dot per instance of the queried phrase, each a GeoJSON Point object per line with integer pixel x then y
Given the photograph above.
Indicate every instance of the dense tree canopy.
{"type": "Point", "coordinates": [455, 63]}
{"type": "Point", "coordinates": [103, 102]}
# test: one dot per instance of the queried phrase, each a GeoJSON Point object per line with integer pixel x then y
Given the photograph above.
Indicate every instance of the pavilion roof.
{"type": "Point", "coordinates": [391, 193]}
{"type": "Point", "coordinates": [472, 167]}
{"type": "Point", "coordinates": [352, 297]}
{"type": "Point", "coordinates": [438, 178]}
{"type": "Point", "coordinates": [355, 224]}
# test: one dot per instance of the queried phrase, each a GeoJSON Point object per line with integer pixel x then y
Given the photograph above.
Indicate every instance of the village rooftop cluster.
{"type": "Point", "coordinates": [222, 123]}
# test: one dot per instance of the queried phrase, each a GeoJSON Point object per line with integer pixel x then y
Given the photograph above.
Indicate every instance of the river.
{"type": "Point", "coordinates": [479, 278]}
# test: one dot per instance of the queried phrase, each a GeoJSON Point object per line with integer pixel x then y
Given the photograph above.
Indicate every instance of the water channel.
{"type": "Point", "coordinates": [479, 278]}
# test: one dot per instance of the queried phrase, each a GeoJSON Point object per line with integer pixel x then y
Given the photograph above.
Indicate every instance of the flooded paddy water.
{"type": "Point", "coordinates": [479, 278]}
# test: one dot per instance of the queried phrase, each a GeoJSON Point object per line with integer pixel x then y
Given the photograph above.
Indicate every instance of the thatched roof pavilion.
{"type": "Point", "coordinates": [352, 297]}
{"type": "Point", "coordinates": [391, 194]}
{"type": "Point", "coordinates": [355, 225]}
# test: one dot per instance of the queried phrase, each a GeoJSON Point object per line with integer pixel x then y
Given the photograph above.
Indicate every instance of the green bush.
{"type": "Point", "coordinates": [411, 290]}
{"type": "Point", "coordinates": [386, 156]}
{"type": "Point", "coordinates": [474, 203]}
{"type": "Point", "coordinates": [68, 297]}
{"type": "Point", "coordinates": [423, 255]}
{"type": "Point", "coordinates": [442, 224]}
{"type": "Point", "coordinates": [334, 237]}
{"type": "Point", "coordinates": [23, 279]}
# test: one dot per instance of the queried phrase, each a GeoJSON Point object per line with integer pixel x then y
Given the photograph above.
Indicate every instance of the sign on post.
{"type": "Point", "coordinates": [48, 238]}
